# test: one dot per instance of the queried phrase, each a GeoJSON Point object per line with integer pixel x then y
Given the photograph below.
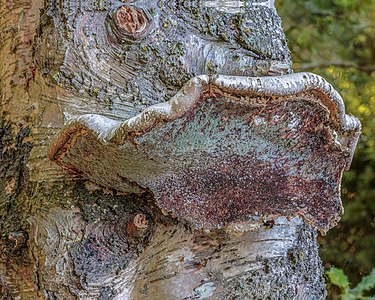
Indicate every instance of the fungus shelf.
{"type": "Point", "coordinates": [225, 149]}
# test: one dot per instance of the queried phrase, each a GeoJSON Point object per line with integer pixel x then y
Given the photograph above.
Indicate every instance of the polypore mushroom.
{"type": "Point", "coordinates": [225, 149]}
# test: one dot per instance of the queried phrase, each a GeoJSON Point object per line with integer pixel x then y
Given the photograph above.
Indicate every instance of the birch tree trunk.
{"type": "Point", "coordinates": [85, 232]}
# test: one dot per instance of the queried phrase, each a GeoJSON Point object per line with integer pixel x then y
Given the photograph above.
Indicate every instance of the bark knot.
{"type": "Point", "coordinates": [130, 20]}
{"type": "Point", "coordinates": [137, 225]}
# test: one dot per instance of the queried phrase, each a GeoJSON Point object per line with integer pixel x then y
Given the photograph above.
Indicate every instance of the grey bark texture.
{"type": "Point", "coordinates": [66, 235]}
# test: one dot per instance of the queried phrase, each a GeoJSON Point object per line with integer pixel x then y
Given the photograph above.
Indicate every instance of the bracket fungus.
{"type": "Point", "coordinates": [225, 149]}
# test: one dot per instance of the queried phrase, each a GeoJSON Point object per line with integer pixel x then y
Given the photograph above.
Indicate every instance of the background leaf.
{"type": "Point", "coordinates": [338, 277]}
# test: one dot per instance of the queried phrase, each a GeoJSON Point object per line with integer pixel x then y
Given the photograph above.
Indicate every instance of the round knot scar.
{"type": "Point", "coordinates": [131, 20]}
{"type": "Point", "coordinates": [140, 221]}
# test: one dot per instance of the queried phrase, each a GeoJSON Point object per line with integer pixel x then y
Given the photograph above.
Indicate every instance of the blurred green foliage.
{"type": "Point", "coordinates": [336, 39]}
{"type": "Point", "coordinates": [338, 278]}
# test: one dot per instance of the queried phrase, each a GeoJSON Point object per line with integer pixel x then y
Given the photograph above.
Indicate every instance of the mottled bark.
{"type": "Point", "coordinates": [63, 237]}
{"type": "Point", "coordinates": [277, 261]}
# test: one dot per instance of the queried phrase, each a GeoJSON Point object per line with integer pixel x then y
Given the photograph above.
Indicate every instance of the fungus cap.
{"type": "Point", "coordinates": [225, 149]}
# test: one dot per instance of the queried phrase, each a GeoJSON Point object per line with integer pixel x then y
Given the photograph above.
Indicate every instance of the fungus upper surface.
{"type": "Point", "coordinates": [225, 149]}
